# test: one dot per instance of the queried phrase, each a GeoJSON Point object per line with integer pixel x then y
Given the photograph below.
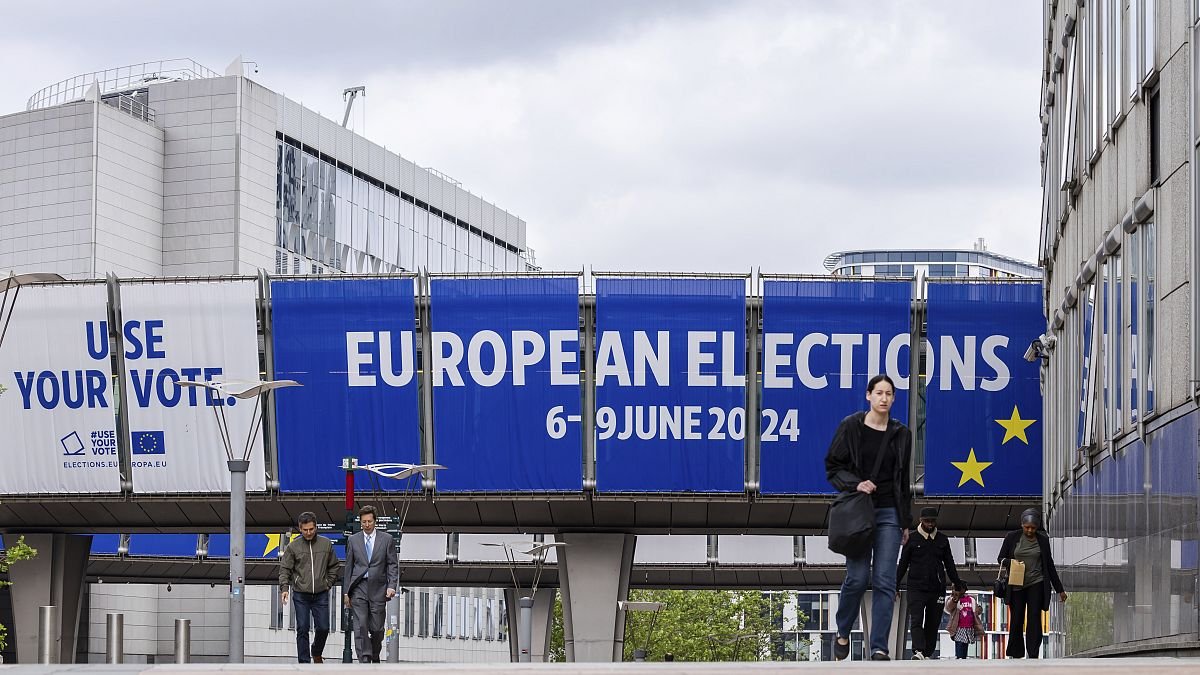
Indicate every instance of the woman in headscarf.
{"type": "Point", "coordinates": [1026, 602]}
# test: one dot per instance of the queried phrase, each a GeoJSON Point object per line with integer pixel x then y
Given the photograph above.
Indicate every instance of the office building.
{"type": "Point", "coordinates": [1118, 243]}
{"type": "Point", "coordinates": [171, 169]}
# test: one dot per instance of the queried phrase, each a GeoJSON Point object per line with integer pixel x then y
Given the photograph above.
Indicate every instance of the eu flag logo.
{"type": "Point", "coordinates": [149, 443]}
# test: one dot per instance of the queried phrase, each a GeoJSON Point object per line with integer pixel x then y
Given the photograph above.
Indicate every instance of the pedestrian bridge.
{"type": "Point", "coordinates": [600, 410]}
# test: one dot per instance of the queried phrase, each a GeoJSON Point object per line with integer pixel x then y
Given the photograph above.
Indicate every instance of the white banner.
{"type": "Point", "coordinates": [193, 331]}
{"type": "Point", "coordinates": [57, 405]}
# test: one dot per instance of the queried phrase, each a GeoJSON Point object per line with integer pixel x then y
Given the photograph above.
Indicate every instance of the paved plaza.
{"type": "Point", "coordinates": [1120, 666]}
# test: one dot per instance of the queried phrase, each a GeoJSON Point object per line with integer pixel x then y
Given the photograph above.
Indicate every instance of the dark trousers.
{"type": "Point", "coordinates": [368, 623]}
{"type": "Point", "coordinates": [1025, 611]}
{"type": "Point", "coordinates": [925, 617]}
{"type": "Point", "coordinates": [316, 607]}
{"type": "Point", "coordinates": [960, 650]}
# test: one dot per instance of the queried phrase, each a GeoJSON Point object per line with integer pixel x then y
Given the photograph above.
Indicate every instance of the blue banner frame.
{"type": "Point", "coordinates": [513, 423]}
{"type": "Point", "coordinates": [983, 426]}
{"type": "Point", "coordinates": [351, 343]}
{"type": "Point", "coordinates": [667, 422]}
{"type": "Point", "coordinates": [823, 340]}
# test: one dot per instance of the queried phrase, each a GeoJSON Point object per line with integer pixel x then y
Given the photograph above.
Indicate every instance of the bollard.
{"type": "Point", "coordinates": [48, 636]}
{"type": "Point", "coordinates": [114, 631]}
{"type": "Point", "coordinates": [183, 640]}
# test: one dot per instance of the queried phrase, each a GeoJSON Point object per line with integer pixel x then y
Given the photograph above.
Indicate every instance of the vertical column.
{"type": "Point", "coordinates": [594, 574]}
{"type": "Point", "coordinates": [55, 577]}
{"type": "Point", "coordinates": [543, 622]}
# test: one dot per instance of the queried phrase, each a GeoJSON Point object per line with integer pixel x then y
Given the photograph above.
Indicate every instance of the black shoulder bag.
{"type": "Point", "coordinates": [852, 518]}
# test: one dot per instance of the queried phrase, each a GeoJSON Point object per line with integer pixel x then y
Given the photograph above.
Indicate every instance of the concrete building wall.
{"type": "Point", "coordinates": [129, 194]}
{"type": "Point", "coordinates": [46, 173]}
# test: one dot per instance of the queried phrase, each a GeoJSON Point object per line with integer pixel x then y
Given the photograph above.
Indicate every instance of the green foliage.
{"type": "Point", "coordinates": [20, 551]}
{"type": "Point", "coordinates": [698, 626]}
{"type": "Point", "coordinates": [1089, 621]}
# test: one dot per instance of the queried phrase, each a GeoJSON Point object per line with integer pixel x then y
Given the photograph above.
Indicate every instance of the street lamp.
{"type": "Point", "coordinates": [525, 604]}
{"type": "Point", "coordinates": [14, 282]}
{"type": "Point", "coordinates": [639, 653]}
{"type": "Point", "coordinates": [238, 466]}
{"type": "Point", "coordinates": [392, 471]}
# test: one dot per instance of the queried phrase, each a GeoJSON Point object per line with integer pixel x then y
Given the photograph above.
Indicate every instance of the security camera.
{"type": "Point", "coordinates": [1040, 348]}
{"type": "Point", "coordinates": [168, 588]}
{"type": "Point", "coordinates": [1034, 352]}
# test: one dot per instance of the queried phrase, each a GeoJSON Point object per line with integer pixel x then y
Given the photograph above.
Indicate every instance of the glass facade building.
{"type": "Point", "coordinates": [1118, 241]}
{"type": "Point", "coordinates": [331, 217]}
{"type": "Point", "coordinates": [928, 263]}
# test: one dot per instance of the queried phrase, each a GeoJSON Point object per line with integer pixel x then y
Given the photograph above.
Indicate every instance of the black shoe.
{"type": "Point", "coordinates": [840, 651]}
{"type": "Point", "coordinates": [880, 656]}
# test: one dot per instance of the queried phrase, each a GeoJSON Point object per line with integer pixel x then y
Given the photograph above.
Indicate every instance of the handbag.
{"type": "Point", "coordinates": [852, 519]}
{"type": "Point", "coordinates": [1000, 583]}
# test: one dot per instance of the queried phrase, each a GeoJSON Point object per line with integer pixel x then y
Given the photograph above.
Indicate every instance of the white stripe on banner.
{"type": "Point", "coordinates": [201, 331]}
{"type": "Point", "coordinates": [56, 394]}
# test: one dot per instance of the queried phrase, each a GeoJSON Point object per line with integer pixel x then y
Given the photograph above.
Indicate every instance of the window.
{"type": "Point", "coordinates": [437, 615]}
{"type": "Point", "coordinates": [1132, 289]}
{"type": "Point", "coordinates": [1114, 12]}
{"type": "Point", "coordinates": [410, 606]}
{"type": "Point", "coordinates": [1086, 338]}
{"type": "Point", "coordinates": [423, 618]}
{"type": "Point", "coordinates": [490, 630]}
{"type": "Point", "coordinates": [1148, 37]}
{"type": "Point", "coordinates": [276, 609]}
{"type": "Point", "coordinates": [1152, 107]}
{"type": "Point", "coordinates": [1149, 271]}
{"type": "Point", "coordinates": [1067, 160]}
{"type": "Point", "coordinates": [1117, 340]}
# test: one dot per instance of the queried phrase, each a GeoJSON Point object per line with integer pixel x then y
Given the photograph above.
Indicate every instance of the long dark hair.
{"type": "Point", "coordinates": [877, 379]}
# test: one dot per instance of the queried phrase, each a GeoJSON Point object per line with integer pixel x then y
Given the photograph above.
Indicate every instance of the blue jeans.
{"type": "Point", "coordinates": [882, 578]}
{"type": "Point", "coordinates": [315, 605]}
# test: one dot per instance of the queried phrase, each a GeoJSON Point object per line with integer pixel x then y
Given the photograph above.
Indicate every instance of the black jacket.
{"type": "Point", "coordinates": [1049, 572]}
{"type": "Point", "coordinates": [931, 561]}
{"type": "Point", "coordinates": [843, 462]}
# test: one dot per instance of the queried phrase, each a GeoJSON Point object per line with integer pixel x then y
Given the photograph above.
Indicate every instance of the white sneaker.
{"type": "Point", "coordinates": [918, 656]}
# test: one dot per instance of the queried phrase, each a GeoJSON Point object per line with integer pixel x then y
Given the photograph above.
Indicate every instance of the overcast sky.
{"type": "Point", "coordinates": [641, 135]}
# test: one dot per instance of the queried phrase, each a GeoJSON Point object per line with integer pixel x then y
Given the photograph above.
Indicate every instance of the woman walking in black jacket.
{"type": "Point", "coordinates": [857, 443]}
{"type": "Point", "coordinates": [1027, 601]}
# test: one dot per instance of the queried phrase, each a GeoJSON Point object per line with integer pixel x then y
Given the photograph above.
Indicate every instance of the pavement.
{"type": "Point", "coordinates": [1116, 666]}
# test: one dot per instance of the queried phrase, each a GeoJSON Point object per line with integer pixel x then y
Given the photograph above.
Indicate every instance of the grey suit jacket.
{"type": "Point", "coordinates": [383, 570]}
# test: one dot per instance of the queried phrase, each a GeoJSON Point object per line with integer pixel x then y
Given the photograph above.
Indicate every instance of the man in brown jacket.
{"type": "Point", "coordinates": [308, 569]}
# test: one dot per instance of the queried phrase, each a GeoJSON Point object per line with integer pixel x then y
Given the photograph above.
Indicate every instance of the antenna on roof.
{"type": "Point", "coordinates": [348, 97]}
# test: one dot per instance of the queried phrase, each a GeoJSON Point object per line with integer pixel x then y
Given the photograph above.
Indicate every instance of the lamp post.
{"type": "Point", "coordinates": [639, 653]}
{"type": "Point", "coordinates": [525, 602]}
{"type": "Point", "coordinates": [8, 302]}
{"type": "Point", "coordinates": [393, 471]}
{"type": "Point", "coordinates": [239, 465]}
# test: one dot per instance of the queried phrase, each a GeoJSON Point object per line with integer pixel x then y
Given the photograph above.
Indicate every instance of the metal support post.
{"type": "Point", "coordinates": [237, 560]}
{"type": "Point", "coordinates": [525, 639]}
{"type": "Point", "coordinates": [48, 635]}
{"type": "Point", "coordinates": [114, 633]}
{"type": "Point", "coordinates": [183, 640]}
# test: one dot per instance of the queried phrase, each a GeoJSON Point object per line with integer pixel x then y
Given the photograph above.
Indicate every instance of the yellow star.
{"type": "Point", "coordinates": [1014, 427]}
{"type": "Point", "coordinates": [273, 542]}
{"type": "Point", "coordinates": [972, 469]}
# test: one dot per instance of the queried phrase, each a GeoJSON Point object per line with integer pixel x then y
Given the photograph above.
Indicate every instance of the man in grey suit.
{"type": "Point", "coordinates": [372, 576]}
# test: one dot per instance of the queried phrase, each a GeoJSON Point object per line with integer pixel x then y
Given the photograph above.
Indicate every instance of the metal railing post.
{"type": "Point", "coordinates": [48, 635]}
{"type": "Point", "coordinates": [183, 640]}
{"type": "Point", "coordinates": [114, 638]}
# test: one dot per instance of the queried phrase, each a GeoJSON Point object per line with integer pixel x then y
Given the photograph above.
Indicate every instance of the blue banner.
{"type": "Point", "coordinates": [351, 343]}
{"type": "Point", "coordinates": [670, 385]}
{"type": "Point", "coordinates": [506, 396]}
{"type": "Point", "coordinates": [822, 342]}
{"type": "Point", "coordinates": [983, 426]}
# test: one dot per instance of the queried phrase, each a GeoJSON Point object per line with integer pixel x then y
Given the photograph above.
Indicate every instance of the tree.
{"type": "Point", "coordinates": [21, 551]}
{"type": "Point", "coordinates": [698, 625]}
